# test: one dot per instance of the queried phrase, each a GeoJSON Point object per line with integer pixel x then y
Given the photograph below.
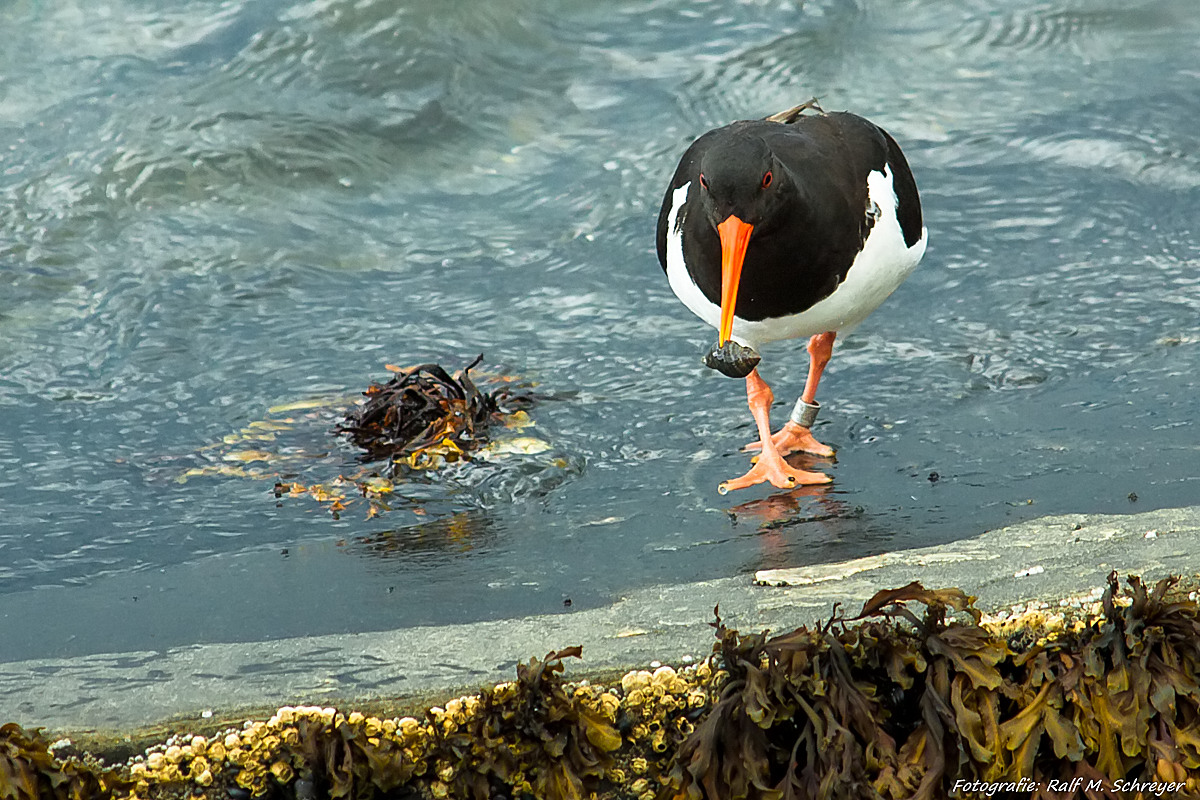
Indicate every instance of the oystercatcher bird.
{"type": "Point", "coordinates": [797, 225]}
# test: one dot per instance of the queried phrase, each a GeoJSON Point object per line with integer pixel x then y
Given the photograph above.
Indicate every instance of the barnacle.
{"type": "Point", "coordinates": [635, 681]}
{"type": "Point", "coordinates": [249, 777]}
{"type": "Point", "coordinates": [665, 678]}
{"type": "Point", "coordinates": [171, 774]}
{"type": "Point", "coordinates": [282, 771]}
{"type": "Point", "coordinates": [409, 728]}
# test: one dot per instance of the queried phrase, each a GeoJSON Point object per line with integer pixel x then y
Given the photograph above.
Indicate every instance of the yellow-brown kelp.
{"type": "Point", "coordinates": [881, 710]}
{"type": "Point", "coordinates": [30, 771]}
{"type": "Point", "coordinates": [888, 704]}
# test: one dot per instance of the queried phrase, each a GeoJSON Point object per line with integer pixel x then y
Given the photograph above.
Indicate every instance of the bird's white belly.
{"type": "Point", "coordinates": [879, 268]}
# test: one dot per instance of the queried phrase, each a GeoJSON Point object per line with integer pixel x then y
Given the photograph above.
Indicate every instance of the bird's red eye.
{"type": "Point", "coordinates": [767, 178]}
{"type": "Point", "coordinates": [703, 180]}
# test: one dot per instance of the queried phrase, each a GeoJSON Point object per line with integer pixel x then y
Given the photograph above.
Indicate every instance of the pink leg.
{"type": "Point", "coordinates": [770, 465]}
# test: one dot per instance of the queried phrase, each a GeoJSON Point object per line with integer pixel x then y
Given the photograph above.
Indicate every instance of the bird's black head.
{"type": "Point", "coordinates": [742, 189]}
{"type": "Point", "coordinates": [740, 176]}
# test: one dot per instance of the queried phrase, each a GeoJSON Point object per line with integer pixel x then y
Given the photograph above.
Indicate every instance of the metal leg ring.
{"type": "Point", "coordinates": [805, 414]}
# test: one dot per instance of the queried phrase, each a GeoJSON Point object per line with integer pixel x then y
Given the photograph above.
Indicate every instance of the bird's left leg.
{"type": "Point", "coordinates": [796, 435]}
{"type": "Point", "coordinates": [770, 466]}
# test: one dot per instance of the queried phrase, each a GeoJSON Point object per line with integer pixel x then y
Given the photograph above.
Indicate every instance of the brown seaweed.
{"type": "Point", "coordinates": [888, 704]}
{"type": "Point", "coordinates": [424, 407]}
{"type": "Point", "coordinates": [532, 736]}
{"type": "Point", "coordinates": [30, 771]}
{"type": "Point", "coordinates": [937, 708]}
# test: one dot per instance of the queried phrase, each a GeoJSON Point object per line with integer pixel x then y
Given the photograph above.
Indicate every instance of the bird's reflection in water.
{"type": "Point", "coordinates": [459, 532]}
{"type": "Point", "coordinates": [787, 508]}
{"type": "Point", "coordinates": [773, 517]}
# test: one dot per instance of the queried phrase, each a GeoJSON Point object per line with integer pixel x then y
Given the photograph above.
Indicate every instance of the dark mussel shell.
{"type": "Point", "coordinates": [732, 359]}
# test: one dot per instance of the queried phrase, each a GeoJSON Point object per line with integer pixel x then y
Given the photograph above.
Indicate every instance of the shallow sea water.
{"type": "Point", "coordinates": [219, 214]}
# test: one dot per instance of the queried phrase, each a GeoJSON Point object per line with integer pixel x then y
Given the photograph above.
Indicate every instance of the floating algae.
{"type": "Point", "coordinates": [424, 417]}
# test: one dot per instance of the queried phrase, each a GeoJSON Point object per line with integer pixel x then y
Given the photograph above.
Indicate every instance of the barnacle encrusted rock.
{"type": "Point", "coordinates": [888, 704]}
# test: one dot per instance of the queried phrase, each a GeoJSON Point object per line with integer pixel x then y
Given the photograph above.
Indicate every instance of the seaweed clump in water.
{"type": "Point", "coordinates": [424, 416]}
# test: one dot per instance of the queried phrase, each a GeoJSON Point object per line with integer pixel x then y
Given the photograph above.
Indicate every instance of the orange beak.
{"type": "Point", "coordinates": [735, 237]}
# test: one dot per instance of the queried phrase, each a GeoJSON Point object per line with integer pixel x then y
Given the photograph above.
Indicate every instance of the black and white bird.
{"type": "Point", "coordinates": [797, 225]}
